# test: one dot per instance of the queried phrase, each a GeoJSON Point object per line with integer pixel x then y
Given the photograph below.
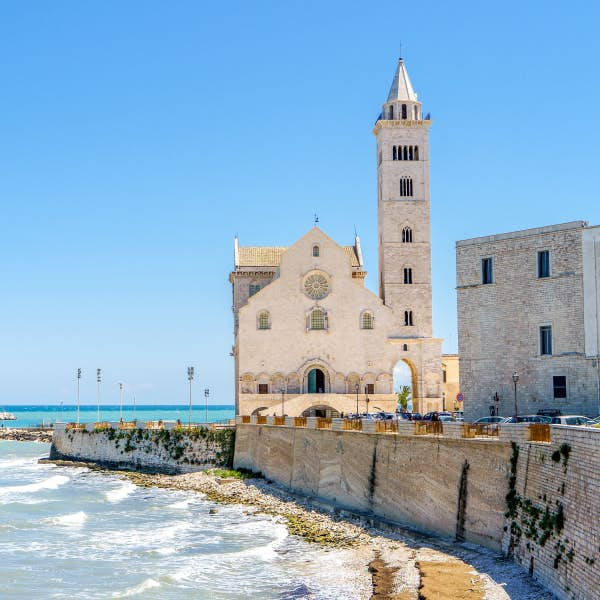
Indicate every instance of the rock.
{"type": "Point", "coordinates": [212, 511]}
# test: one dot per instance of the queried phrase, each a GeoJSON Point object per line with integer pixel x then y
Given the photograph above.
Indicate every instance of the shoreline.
{"type": "Point", "coordinates": [401, 564]}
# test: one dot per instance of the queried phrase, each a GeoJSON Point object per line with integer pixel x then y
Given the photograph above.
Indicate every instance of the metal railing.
{"type": "Point", "coordinates": [539, 432]}
{"type": "Point", "coordinates": [245, 419]}
{"type": "Point", "coordinates": [428, 428]}
{"type": "Point", "coordinates": [299, 421]}
{"type": "Point", "coordinates": [155, 425]}
{"type": "Point", "coordinates": [127, 425]}
{"type": "Point", "coordinates": [323, 423]}
{"type": "Point", "coordinates": [75, 426]}
{"type": "Point", "coordinates": [387, 426]}
{"type": "Point", "coordinates": [278, 420]}
{"type": "Point", "coordinates": [473, 430]}
{"type": "Point", "coordinates": [352, 425]}
{"type": "Point", "coordinates": [260, 420]}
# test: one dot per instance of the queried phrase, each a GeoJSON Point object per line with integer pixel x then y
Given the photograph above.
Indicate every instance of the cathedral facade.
{"type": "Point", "coordinates": [309, 337]}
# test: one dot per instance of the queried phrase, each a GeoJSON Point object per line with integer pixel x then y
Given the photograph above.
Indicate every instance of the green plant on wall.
{"type": "Point", "coordinates": [404, 396]}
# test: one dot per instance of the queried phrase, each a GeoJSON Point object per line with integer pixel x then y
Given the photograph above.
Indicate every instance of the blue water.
{"type": "Point", "coordinates": [69, 532]}
{"type": "Point", "coordinates": [32, 416]}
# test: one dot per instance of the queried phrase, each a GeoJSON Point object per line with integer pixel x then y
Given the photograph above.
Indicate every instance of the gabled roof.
{"type": "Point", "coordinates": [270, 256]}
{"type": "Point", "coordinates": [401, 86]}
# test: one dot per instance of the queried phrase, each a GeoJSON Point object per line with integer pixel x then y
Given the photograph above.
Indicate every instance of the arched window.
{"type": "Point", "coordinates": [316, 251]}
{"type": "Point", "coordinates": [394, 156]}
{"type": "Point", "coordinates": [405, 152]}
{"type": "Point", "coordinates": [264, 320]}
{"type": "Point", "coordinates": [407, 237]}
{"type": "Point", "coordinates": [410, 153]}
{"type": "Point", "coordinates": [406, 186]}
{"type": "Point", "coordinates": [407, 275]}
{"type": "Point", "coordinates": [317, 319]}
{"type": "Point", "coordinates": [392, 111]}
{"type": "Point", "coordinates": [408, 318]}
{"type": "Point", "coordinates": [254, 288]}
{"type": "Point", "coordinates": [404, 111]}
{"type": "Point", "coordinates": [366, 321]}
{"type": "Point", "coordinates": [416, 152]}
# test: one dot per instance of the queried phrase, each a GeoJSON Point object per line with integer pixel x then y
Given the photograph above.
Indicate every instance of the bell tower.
{"type": "Point", "coordinates": [402, 134]}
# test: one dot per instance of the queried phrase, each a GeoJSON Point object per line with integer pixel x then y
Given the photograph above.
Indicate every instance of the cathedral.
{"type": "Point", "coordinates": [310, 338]}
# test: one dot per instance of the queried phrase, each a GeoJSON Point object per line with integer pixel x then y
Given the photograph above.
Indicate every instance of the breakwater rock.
{"type": "Point", "coordinates": [26, 434]}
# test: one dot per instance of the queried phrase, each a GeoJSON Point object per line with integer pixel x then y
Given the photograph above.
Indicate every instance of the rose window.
{"type": "Point", "coordinates": [316, 286]}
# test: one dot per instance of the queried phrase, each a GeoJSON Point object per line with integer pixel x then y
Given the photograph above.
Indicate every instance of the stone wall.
{"type": "Point", "coordinates": [536, 501]}
{"type": "Point", "coordinates": [167, 450]}
{"type": "Point", "coordinates": [413, 480]}
{"type": "Point", "coordinates": [552, 527]}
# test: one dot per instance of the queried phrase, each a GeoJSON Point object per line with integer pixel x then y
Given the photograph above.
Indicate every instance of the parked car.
{"type": "Point", "coordinates": [491, 420]}
{"type": "Point", "coordinates": [549, 412]}
{"type": "Point", "coordinates": [446, 418]}
{"type": "Point", "coordinates": [385, 416]}
{"type": "Point", "coordinates": [430, 415]}
{"type": "Point", "coordinates": [529, 419]}
{"type": "Point", "coordinates": [572, 420]}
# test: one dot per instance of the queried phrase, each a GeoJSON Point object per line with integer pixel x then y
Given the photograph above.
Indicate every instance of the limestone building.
{"type": "Point", "coordinates": [528, 301]}
{"type": "Point", "coordinates": [309, 338]}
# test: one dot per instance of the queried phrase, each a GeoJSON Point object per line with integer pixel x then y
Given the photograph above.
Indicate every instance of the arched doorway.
{"type": "Point", "coordinates": [404, 385]}
{"type": "Point", "coordinates": [321, 411]}
{"type": "Point", "coordinates": [316, 381]}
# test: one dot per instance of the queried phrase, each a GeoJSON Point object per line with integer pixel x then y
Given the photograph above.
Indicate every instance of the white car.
{"type": "Point", "coordinates": [571, 420]}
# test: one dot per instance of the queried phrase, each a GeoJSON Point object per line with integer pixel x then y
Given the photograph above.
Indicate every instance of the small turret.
{"type": "Point", "coordinates": [402, 103]}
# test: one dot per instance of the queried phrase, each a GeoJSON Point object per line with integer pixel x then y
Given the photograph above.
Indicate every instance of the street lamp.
{"type": "Point", "coordinates": [282, 401]}
{"type": "Point", "coordinates": [367, 399]}
{"type": "Point", "coordinates": [356, 388]}
{"type": "Point", "coordinates": [78, 382]}
{"type": "Point", "coordinates": [99, 378]}
{"type": "Point", "coordinates": [515, 378]}
{"type": "Point", "coordinates": [206, 395]}
{"type": "Point", "coordinates": [190, 372]}
{"type": "Point", "coordinates": [120, 401]}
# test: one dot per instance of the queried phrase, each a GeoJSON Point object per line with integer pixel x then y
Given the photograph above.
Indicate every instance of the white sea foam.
{"type": "Point", "coordinates": [52, 483]}
{"type": "Point", "coordinates": [166, 551]}
{"type": "Point", "coordinates": [73, 520]}
{"type": "Point", "coordinates": [183, 504]}
{"type": "Point", "coordinates": [120, 493]}
{"type": "Point", "coordinates": [147, 584]}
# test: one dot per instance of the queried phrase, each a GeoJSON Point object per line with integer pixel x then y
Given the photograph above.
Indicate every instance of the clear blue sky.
{"type": "Point", "coordinates": [138, 137]}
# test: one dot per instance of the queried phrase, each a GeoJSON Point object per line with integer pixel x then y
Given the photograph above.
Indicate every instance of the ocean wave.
{"type": "Point", "coordinates": [183, 504]}
{"type": "Point", "coordinates": [147, 584]}
{"type": "Point", "coordinates": [120, 493]}
{"type": "Point", "coordinates": [72, 520]}
{"type": "Point", "coordinates": [52, 483]}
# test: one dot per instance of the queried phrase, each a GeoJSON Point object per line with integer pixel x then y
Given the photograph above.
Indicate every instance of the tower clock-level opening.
{"type": "Point", "coordinates": [316, 381]}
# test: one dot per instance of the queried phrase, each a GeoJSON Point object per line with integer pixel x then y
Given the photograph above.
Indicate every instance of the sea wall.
{"type": "Point", "coordinates": [438, 485]}
{"type": "Point", "coordinates": [553, 506]}
{"type": "Point", "coordinates": [537, 501]}
{"type": "Point", "coordinates": [174, 450]}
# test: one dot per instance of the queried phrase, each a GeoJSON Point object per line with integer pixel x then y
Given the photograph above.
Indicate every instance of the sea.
{"type": "Point", "coordinates": [71, 532]}
{"type": "Point", "coordinates": [36, 415]}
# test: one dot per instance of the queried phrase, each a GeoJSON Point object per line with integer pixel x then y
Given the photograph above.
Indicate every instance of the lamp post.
{"type": "Point", "coordinates": [367, 399]}
{"type": "Point", "coordinates": [190, 376]}
{"type": "Point", "coordinates": [515, 378]}
{"type": "Point", "coordinates": [99, 378]}
{"type": "Point", "coordinates": [282, 401]}
{"type": "Point", "coordinates": [356, 388]}
{"type": "Point", "coordinates": [78, 386]}
{"type": "Point", "coordinates": [206, 395]}
{"type": "Point", "coordinates": [120, 401]}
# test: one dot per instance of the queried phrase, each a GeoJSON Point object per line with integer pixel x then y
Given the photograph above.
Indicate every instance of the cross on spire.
{"type": "Point", "coordinates": [316, 219]}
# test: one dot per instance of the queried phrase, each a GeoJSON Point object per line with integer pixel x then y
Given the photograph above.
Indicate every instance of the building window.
{"type": "Point", "coordinates": [392, 111]}
{"type": "Point", "coordinates": [316, 251]}
{"type": "Point", "coordinates": [317, 319]}
{"type": "Point", "coordinates": [370, 388]}
{"type": "Point", "coordinates": [544, 264]}
{"type": "Point", "coordinates": [487, 271]}
{"type": "Point", "coordinates": [406, 186]}
{"type": "Point", "coordinates": [405, 347]}
{"type": "Point", "coordinates": [404, 111]}
{"type": "Point", "coordinates": [254, 288]}
{"type": "Point", "coordinates": [408, 318]}
{"type": "Point", "coordinates": [264, 321]}
{"type": "Point", "coordinates": [394, 155]}
{"type": "Point", "coordinates": [407, 275]}
{"type": "Point", "coordinates": [416, 152]}
{"type": "Point", "coordinates": [560, 386]}
{"type": "Point", "coordinates": [407, 235]}
{"type": "Point", "coordinates": [546, 340]}
{"type": "Point", "coordinates": [366, 321]}
{"type": "Point", "coordinates": [263, 388]}
{"type": "Point", "coordinates": [444, 376]}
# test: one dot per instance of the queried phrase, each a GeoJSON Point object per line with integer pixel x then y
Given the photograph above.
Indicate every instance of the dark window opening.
{"type": "Point", "coordinates": [391, 112]}
{"type": "Point", "coordinates": [487, 271]}
{"type": "Point", "coordinates": [408, 318]}
{"type": "Point", "coordinates": [263, 388]}
{"type": "Point", "coordinates": [404, 111]}
{"type": "Point", "coordinates": [370, 388]}
{"type": "Point", "coordinates": [544, 264]}
{"type": "Point", "coordinates": [546, 340]}
{"type": "Point", "coordinates": [407, 275]}
{"type": "Point", "coordinates": [560, 386]}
